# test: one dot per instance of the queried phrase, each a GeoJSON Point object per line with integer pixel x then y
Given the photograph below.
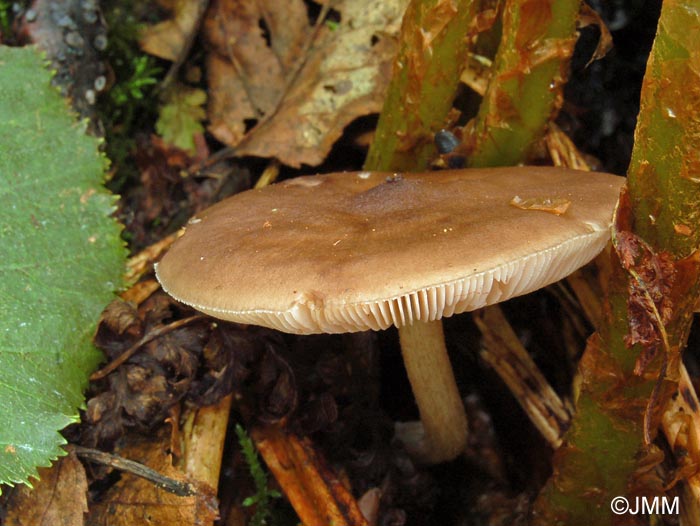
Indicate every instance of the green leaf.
{"type": "Point", "coordinates": [180, 118]}
{"type": "Point", "coordinates": [61, 258]}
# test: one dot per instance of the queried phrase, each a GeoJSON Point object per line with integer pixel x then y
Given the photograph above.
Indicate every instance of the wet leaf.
{"type": "Point", "coordinates": [61, 258]}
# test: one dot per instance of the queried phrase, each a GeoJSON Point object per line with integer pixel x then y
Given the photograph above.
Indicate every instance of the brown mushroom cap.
{"type": "Point", "coordinates": [347, 252]}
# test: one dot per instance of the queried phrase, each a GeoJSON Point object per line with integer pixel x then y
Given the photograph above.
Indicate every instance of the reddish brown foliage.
{"type": "Point", "coordinates": [652, 277]}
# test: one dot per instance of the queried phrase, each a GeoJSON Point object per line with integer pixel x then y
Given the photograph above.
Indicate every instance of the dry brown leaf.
{"type": "Point", "coordinates": [245, 75]}
{"type": "Point", "coordinates": [134, 500]}
{"type": "Point", "coordinates": [59, 498]}
{"type": "Point", "coordinates": [589, 17]}
{"type": "Point", "coordinates": [298, 104]}
{"type": "Point", "coordinates": [168, 38]}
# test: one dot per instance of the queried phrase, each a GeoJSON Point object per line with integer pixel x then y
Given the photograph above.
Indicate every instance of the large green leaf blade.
{"type": "Point", "coordinates": [60, 261]}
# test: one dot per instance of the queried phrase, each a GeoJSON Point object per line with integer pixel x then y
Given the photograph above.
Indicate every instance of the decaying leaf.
{"type": "Point", "coordinates": [505, 353]}
{"type": "Point", "coordinates": [652, 277]}
{"type": "Point", "coordinates": [163, 369]}
{"type": "Point", "coordinates": [588, 17]}
{"type": "Point", "coordinates": [681, 425]}
{"type": "Point", "coordinates": [563, 151]}
{"type": "Point", "coordinates": [656, 276]}
{"type": "Point", "coordinates": [166, 198]}
{"type": "Point", "coordinates": [301, 89]}
{"type": "Point", "coordinates": [59, 497]}
{"type": "Point", "coordinates": [246, 76]}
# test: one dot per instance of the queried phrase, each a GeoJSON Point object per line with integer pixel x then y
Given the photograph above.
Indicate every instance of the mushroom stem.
{"type": "Point", "coordinates": [435, 389]}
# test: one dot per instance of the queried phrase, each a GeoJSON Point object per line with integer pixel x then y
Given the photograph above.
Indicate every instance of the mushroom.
{"type": "Point", "coordinates": [347, 252]}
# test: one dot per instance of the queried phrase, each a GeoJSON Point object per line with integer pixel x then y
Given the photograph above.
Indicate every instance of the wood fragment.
{"type": "Point", "coordinates": [179, 488]}
{"type": "Point", "coordinates": [315, 492]}
{"type": "Point", "coordinates": [562, 149]}
{"type": "Point", "coordinates": [150, 490]}
{"type": "Point", "coordinates": [140, 291]}
{"type": "Point", "coordinates": [142, 262]}
{"type": "Point", "coordinates": [203, 437]}
{"type": "Point", "coordinates": [511, 361]}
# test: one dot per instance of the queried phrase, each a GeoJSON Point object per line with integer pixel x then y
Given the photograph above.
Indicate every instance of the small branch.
{"type": "Point", "coordinates": [142, 262]}
{"type": "Point", "coordinates": [176, 487]}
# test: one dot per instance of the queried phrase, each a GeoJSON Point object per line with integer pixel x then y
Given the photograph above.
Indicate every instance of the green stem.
{"type": "Point", "coordinates": [529, 71]}
{"type": "Point", "coordinates": [434, 44]}
{"type": "Point", "coordinates": [606, 445]}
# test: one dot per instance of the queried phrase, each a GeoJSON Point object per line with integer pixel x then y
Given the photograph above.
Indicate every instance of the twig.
{"type": "Point", "coordinates": [176, 487]}
{"type": "Point", "coordinates": [269, 175]}
{"type": "Point", "coordinates": [142, 262]}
